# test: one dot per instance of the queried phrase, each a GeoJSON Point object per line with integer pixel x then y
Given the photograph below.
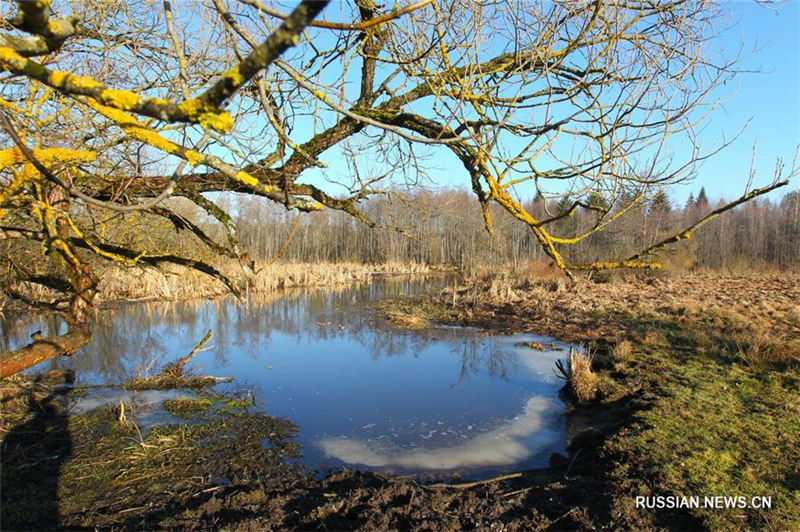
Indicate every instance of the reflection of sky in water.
{"type": "Point", "coordinates": [361, 391]}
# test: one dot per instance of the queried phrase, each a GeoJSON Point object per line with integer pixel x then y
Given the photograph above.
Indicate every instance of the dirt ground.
{"type": "Point", "coordinates": [697, 394]}
{"type": "Point", "coordinates": [573, 310]}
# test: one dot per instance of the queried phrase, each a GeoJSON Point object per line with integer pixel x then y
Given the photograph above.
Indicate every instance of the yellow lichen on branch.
{"type": "Point", "coordinates": [598, 227]}
{"type": "Point", "coordinates": [120, 99]}
{"type": "Point", "coordinates": [139, 131]}
{"type": "Point", "coordinates": [194, 110]}
{"type": "Point", "coordinates": [638, 265]}
{"type": "Point", "coordinates": [14, 156]}
{"type": "Point", "coordinates": [134, 128]}
{"type": "Point", "coordinates": [19, 179]}
{"type": "Point", "coordinates": [246, 178]}
{"type": "Point", "coordinates": [234, 76]}
{"type": "Point", "coordinates": [218, 121]}
{"type": "Point", "coordinates": [8, 105]}
{"type": "Point", "coordinates": [206, 115]}
{"type": "Point", "coordinates": [111, 256]}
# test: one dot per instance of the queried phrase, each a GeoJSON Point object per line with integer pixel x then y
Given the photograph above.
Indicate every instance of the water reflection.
{"type": "Point", "coordinates": [361, 391]}
{"type": "Point", "coordinates": [510, 443]}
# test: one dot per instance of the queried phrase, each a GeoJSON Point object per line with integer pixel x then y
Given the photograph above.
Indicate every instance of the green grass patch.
{"type": "Point", "coordinates": [417, 313]}
{"type": "Point", "coordinates": [714, 423]}
{"type": "Point", "coordinates": [187, 407]}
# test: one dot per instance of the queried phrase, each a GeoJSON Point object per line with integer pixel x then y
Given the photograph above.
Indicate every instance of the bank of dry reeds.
{"type": "Point", "coordinates": [121, 283]}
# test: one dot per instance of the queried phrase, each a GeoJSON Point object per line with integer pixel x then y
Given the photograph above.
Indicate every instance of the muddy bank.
{"type": "Point", "coordinates": [581, 310]}
{"type": "Point", "coordinates": [220, 464]}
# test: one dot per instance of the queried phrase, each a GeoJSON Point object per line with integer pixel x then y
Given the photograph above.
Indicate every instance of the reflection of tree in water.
{"type": "Point", "coordinates": [123, 343]}
{"type": "Point", "coordinates": [476, 354]}
{"type": "Point", "coordinates": [16, 329]}
{"type": "Point", "coordinates": [129, 337]}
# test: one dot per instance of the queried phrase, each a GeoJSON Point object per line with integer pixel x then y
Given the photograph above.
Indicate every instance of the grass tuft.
{"type": "Point", "coordinates": [416, 314]}
{"type": "Point", "coordinates": [577, 371]}
{"type": "Point", "coordinates": [622, 350]}
{"type": "Point", "coordinates": [764, 346]}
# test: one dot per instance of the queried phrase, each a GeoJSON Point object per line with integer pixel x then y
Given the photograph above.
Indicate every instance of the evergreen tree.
{"type": "Point", "coordinates": [702, 198]}
{"type": "Point", "coordinates": [598, 200]}
{"type": "Point", "coordinates": [659, 203]}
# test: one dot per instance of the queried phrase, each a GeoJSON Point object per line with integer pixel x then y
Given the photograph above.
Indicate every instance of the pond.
{"type": "Point", "coordinates": [363, 393]}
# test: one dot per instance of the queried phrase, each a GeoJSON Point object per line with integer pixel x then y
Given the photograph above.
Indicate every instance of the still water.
{"type": "Point", "coordinates": [362, 392]}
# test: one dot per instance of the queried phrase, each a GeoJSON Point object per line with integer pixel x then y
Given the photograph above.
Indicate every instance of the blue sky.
{"type": "Point", "coordinates": [770, 100]}
{"type": "Point", "coordinates": [765, 101]}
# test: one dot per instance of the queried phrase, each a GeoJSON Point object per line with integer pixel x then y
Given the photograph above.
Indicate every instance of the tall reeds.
{"type": "Point", "coordinates": [120, 283]}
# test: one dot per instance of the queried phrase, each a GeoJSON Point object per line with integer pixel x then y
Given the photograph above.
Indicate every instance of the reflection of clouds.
{"type": "Point", "coordinates": [147, 401]}
{"type": "Point", "coordinates": [541, 363]}
{"type": "Point", "coordinates": [145, 407]}
{"type": "Point", "coordinates": [503, 445]}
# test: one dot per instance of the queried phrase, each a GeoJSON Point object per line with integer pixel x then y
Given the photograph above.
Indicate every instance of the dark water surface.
{"type": "Point", "coordinates": [362, 392]}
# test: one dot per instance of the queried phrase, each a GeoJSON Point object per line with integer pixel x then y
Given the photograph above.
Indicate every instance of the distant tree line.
{"type": "Point", "coordinates": [445, 228]}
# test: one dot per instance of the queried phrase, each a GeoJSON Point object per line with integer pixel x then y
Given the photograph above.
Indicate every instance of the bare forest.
{"type": "Point", "coordinates": [763, 234]}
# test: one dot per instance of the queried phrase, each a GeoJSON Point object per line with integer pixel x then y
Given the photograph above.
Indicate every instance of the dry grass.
{"type": "Point", "coordinates": [280, 276]}
{"type": "Point", "coordinates": [536, 271]}
{"type": "Point", "coordinates": [171, 282]}
{"type": "Point", "coordinates": [407, 319]}
{"type": "Point", "coordinates": [652, 338]}
{"type": "Point", "coordinates": [415, 314]}
{"type": "Point", "coordinates": [622, 350]}
{"type": "Point", "coordinates": [171, 380]}
{"type": "Point", "coordinates": [577, 371]}
{"type": "Point", "coordinates": [523, 274]}
{"type": "Point", "coordinates": [767, 346]}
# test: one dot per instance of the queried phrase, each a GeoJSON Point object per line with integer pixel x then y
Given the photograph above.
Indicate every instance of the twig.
{"type": "Point", "coordinates": [517, 492]}
{"type": "Point", "coordinates": [126, 510]}
{"type": "Point", "coordinates": [181, 362]}
{"type": "Point", "coordinates": [218, 379]}
{"type": "Point", "coordinates": [466, 485]}
{"type": "Point", "coordinates": [572, 462]}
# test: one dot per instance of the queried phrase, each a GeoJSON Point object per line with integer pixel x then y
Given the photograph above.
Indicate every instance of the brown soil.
{"type": "Point", "coordinates": [581, 310]}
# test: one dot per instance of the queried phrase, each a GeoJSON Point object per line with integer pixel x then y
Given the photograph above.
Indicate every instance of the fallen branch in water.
{"type": "Point", "coordinates": [44, 348]}
{"type": "Point", "coordinates": [173, 375]}
{"type": "Point", "coordinates": [179, 364]}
